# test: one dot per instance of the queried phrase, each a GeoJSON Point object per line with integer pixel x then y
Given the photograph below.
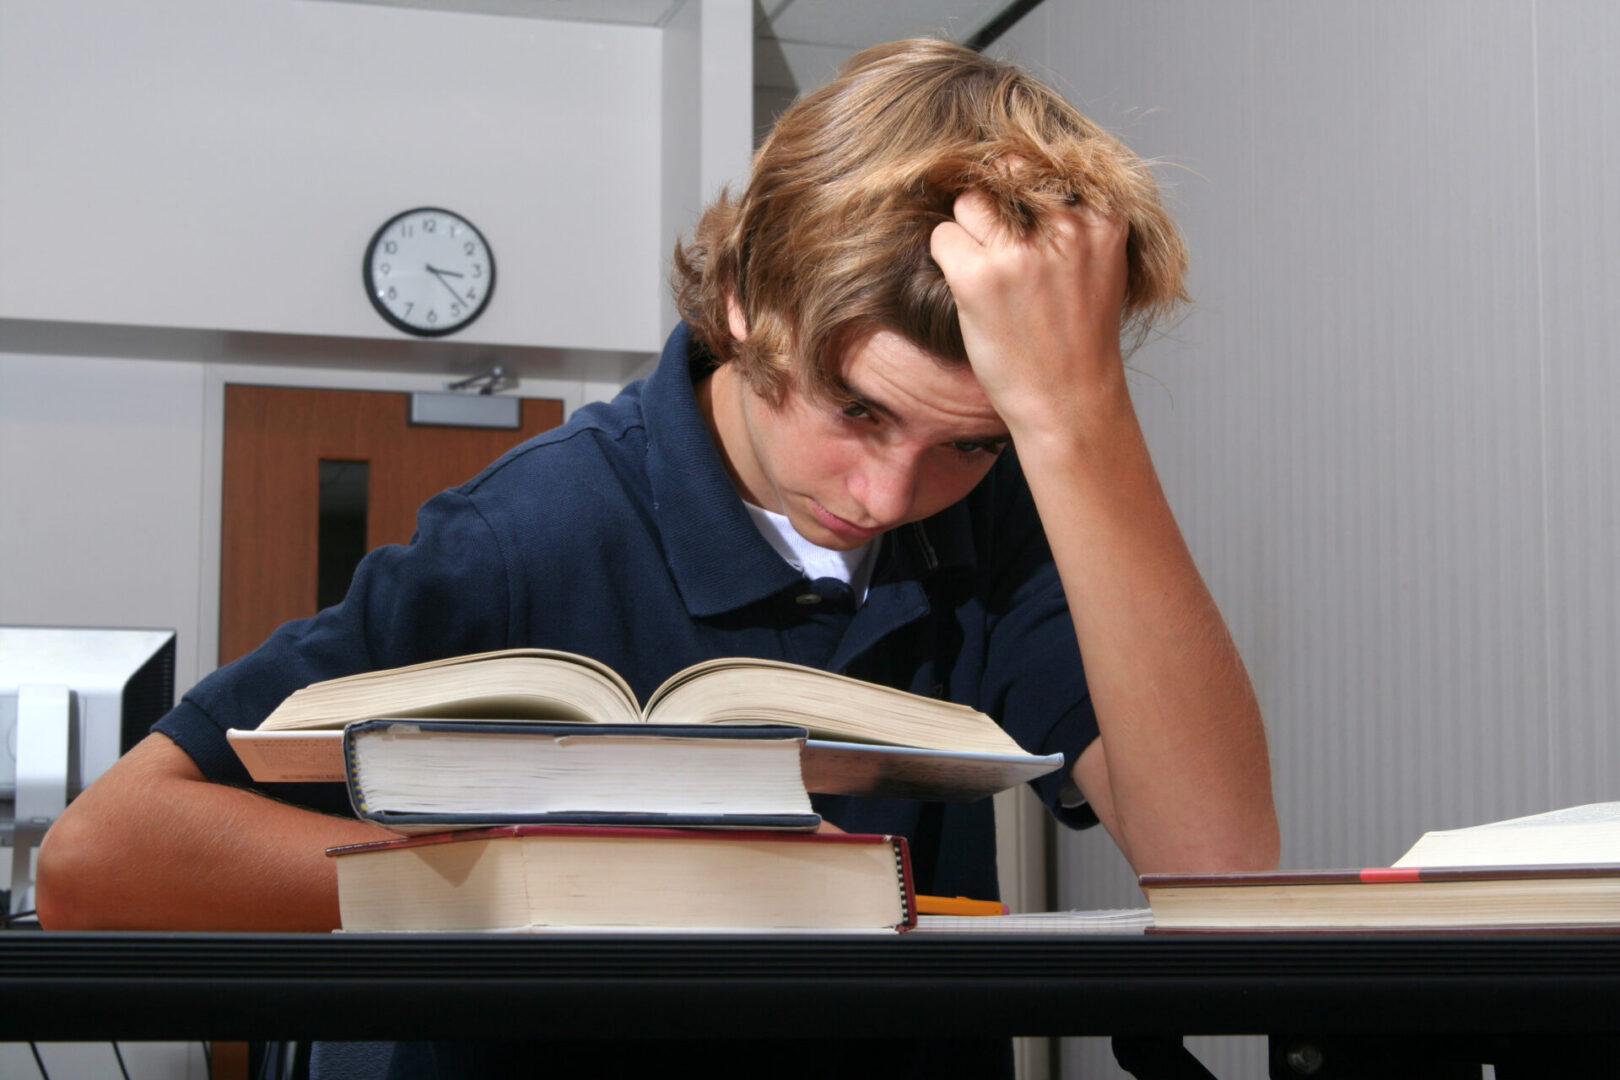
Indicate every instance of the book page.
{"type": "Point", "coordinates": [1588, 834]}
{"type": "Point", "coordinates": [831, 706]}
{"type": "Point", "coordinates": [1590, 813]}
{"type": "Point", "coordinates": [1102, 921]}
{"type": "Point", "coordinates": [840, 768]}
{"type": "Point", "coordinates": [511, 684]}
{"type": "Point", "coordinates": [289, 757]}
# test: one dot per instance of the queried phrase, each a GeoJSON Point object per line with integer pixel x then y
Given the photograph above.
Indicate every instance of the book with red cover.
{"type": "Point", "coordinates": [559, 877]}
{"type": "Point", "coordinates": [1389, 898]}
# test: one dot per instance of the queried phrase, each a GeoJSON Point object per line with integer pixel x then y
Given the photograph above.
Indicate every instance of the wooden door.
{"type": "Point", "coordinates": [276, 439]}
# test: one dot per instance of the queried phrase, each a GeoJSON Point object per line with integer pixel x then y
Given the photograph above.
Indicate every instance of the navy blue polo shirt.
{"type": "Point", "coordinates": [619, 535]}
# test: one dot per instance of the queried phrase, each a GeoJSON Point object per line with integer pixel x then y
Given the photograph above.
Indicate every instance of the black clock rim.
{"type": "Point", "coordinates": [393, 320]}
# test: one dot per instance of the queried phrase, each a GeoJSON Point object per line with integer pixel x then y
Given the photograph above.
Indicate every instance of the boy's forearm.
{"type": "Point", "coordinates": [153, 845]}
{"type": "Point", "coordinates": [1183, 746]}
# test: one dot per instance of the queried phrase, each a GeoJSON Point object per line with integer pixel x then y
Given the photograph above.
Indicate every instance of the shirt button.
{"type": "Point", "coordinates": [807, 599]}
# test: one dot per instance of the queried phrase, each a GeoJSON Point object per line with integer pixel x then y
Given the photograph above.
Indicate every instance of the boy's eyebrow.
{"type": "Point", "coordinates": [866, 401]}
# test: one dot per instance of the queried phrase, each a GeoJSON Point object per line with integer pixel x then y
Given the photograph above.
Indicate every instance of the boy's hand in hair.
{"type": "Point", "coordinates": [1040, 313]}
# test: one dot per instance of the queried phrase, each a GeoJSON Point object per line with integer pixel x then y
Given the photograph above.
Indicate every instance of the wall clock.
{"type": "Point", "coordinates": [429, 271]}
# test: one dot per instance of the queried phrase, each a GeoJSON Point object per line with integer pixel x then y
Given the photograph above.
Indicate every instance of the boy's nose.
{"type": "Point", "coordinates": [890, 489]}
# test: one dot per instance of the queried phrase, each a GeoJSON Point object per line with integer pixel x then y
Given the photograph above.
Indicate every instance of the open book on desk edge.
{"type": "Point", "coordinates": [870, 739]}
{"type": "Point", "coordinates": [1568, 836]}
{"type": "Point", "coordinates": [830, 768]}
{"type": "Point", "coordinates": [1557, 872]}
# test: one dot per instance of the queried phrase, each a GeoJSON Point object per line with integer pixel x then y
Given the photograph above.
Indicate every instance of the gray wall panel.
{"type": "Point", "coordinates": [1388, 425]}
{"type": "Point", "coordinates": [1579, 110]}
{"type": "Point", "coordinates": [1407, 426]}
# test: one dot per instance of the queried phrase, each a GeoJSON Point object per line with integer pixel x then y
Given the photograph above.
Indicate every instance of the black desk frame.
{"type": "Point", "coordinates": [1436, 988]}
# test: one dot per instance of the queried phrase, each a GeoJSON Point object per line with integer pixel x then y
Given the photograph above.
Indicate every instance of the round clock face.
{"type": "Point", "coordinates": [429, 272]}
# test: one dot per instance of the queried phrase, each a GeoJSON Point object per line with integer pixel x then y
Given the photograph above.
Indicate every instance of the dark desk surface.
{"type": "Point", "coordinates": [295, 986]}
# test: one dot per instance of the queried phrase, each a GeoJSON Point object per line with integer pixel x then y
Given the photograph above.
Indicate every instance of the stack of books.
{"type": "Point", "coordinates": [536, 793]}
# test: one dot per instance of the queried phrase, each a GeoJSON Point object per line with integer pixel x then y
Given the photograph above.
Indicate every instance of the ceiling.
{"type": "Point", "coordinates": [844, 23]}
{"type": "Point", "coordinates": [798, 42]}
{"type": "Point", "coordinates": [856, 24]}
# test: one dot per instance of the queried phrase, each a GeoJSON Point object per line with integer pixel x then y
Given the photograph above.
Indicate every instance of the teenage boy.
{"type": "Point", "coordinates": [891, 438]}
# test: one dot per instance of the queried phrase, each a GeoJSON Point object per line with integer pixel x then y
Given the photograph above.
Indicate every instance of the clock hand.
{"type": "Point", "coordinates": [441, 275]}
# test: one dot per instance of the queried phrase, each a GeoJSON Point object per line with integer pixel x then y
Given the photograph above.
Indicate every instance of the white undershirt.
{"type": "Point", "coordinates": [854, 568]}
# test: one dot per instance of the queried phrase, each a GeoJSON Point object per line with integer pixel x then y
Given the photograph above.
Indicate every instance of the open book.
{"type": "Point", "coordinates": [865, 739]}
{"type": "Point", "coordinates": [1575, 834]}
{"type": "Point", "coordinates": [1385, 898]}
{"type": "Point", "coordinates": [1559, 870]}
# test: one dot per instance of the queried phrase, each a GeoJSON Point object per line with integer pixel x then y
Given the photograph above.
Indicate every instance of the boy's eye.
{"type": "Point", "coordinates": [972, 447]}
{"type": "Point", "coordinates": [855, 410]}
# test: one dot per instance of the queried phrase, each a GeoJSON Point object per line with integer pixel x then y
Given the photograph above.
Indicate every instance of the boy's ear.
{"type": "Point", "coordinates": [735, 320]}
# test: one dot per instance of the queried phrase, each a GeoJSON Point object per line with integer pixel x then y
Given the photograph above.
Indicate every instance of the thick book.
{"type": "Point", "coordinates": [419, 775]}
{"type": "Point", "coordinates": [1482, 898]}
{"type": "Point", "coordinates": [566, 878]}
{"type": "Point", "coordinates": [865, 739]}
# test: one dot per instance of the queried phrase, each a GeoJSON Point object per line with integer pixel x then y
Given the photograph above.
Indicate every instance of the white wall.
{"type": "Point", "coordinates": [110, 474]}
{"type": "Point", "coordinates": [101, 472]}
{"type": "Point", "coordinates": [222, 163]}
{"type": "Point", "coordinates": [708, 112]}
{"type": "Point", "coordinates": [1388, 424]}
{"type": "Point", "coordinates": [185, 194]}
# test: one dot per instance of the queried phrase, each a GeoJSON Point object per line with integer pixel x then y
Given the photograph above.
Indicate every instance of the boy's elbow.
{"type": "Point", "coordinates": [65, 876]}
{"type": "Point", "coordinates": [1257, 847]}
{"type": "Point", "coordinates": [101, 857]}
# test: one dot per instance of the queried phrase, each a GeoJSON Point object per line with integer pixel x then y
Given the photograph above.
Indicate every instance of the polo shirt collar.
{"type": "Point", "coordinates": [716, 554]}
{"type": "Point", "coordinates": [718, 559]}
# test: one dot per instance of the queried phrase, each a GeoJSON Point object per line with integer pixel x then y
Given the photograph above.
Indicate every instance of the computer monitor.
{"type": "Point", "coordinates": [72, 699]}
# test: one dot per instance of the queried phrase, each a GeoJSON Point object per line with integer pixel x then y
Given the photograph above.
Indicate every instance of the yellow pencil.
{"type": "Point", "coordinates": [958, 905]}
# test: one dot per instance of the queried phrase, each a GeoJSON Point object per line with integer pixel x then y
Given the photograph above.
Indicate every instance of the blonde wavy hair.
{"type": "Point", "coordinates": [830, 239]}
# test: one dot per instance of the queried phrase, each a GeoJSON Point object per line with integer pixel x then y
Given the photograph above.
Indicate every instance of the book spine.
{"type": "Point", "coordinates": [351, 768]}
{"type": "Point", "coordinates": [908, 892]}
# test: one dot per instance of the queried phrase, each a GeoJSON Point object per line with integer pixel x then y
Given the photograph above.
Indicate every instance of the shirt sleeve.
{"type": "Point", "coordinates": [443, 594]}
